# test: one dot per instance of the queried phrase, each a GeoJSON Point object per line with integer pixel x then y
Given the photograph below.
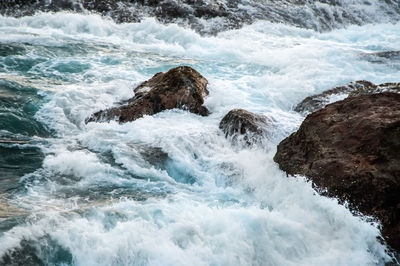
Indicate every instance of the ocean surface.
{"type": "Point", "coordinates": [170, 189]}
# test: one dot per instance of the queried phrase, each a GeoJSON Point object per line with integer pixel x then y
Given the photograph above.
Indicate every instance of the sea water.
{"type": "Point", "coordinates": [170, 189]}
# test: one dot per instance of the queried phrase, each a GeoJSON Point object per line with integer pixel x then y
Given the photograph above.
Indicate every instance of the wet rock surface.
{"type": "Point", "coordinates": [385, 87]}
{"type": "Point", "coordinates": [181, 87]}
{"type": "Point", "coordinates": [239, 123]}
{"type": "Point", "coordinates": [387, 57]}
{"type": "Point", "coordinates": [318, 101]}
{"type": "Point", "coordinates": [352, 149]}
{"type": "Point", "coordinates": [319, 15]}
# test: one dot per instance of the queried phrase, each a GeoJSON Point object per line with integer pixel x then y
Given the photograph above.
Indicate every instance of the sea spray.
{"type": "Point", "coordinates": [97, 199]}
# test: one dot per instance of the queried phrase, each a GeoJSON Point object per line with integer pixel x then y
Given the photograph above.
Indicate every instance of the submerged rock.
{"type": "Point", "coordinates": [352, 149]}
{"type": "Point", "coordinates": [181, 87]}
{"type": "Point", "coordinates": [155, 156]}
{"type": "Point", "coordinates": [249, 126]}
{"type": "Point", "coordinates": [318, 101]}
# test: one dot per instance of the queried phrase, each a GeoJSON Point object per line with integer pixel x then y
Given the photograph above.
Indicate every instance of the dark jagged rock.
{"type": "Point", "coordinates": [320, 15]}
{"type": "Point", "coordinates": [181, 87]}
{"type": "Point", "coordinates": [251, 127]}
{"type": "Point", "coordinates": [352, 149]}
{"type": "Point", "coordinates": [382, 57]}
{"type": "Point", "coordinates": [318, 101]}
{"type": "Point", "coordinates": [373, 89]}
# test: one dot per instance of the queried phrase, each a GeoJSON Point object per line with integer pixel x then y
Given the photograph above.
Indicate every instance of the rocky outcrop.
{"type": "Point", "coordinates": [382, 57]}
{"type": "Point", "coordinates": [352, 149]}
{"type": "Point", "coordinates": [320, 15]}
{"type": "Point", "coordinates": [318, 101]}
{"type": "Point", "coordinates": [385, 87]}
{"type": "Point", "coordinates": [181, 87]}
{"type": "Point", "coordinates": [241, 124]}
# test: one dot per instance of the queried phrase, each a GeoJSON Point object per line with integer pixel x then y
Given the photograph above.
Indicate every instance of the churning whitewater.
{"type": "Point", "coordinates": [170, 189]}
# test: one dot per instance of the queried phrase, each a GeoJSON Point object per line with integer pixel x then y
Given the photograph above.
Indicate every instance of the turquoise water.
{"type": "Point", "coordinates": [169, 189]}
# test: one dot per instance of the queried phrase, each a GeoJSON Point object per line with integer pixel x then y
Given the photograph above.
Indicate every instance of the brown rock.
{"type": "Point", "coordinates": [181, 87]}
{"type": "Point", "coordinates": [352, 149]}
{"type": "Point", "coordinates": [239, 122]}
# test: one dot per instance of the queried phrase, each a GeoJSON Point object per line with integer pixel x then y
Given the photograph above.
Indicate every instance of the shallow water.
{"type": "Point", "coordinates": [169, 189]}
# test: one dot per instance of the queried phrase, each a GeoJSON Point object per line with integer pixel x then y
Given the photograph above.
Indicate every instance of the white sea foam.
{"type": "Point", "coordinates": [221, 205]}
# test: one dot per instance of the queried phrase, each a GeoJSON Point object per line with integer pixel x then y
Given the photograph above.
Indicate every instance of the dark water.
{"type": "Point", "coordinates": [18, 129]}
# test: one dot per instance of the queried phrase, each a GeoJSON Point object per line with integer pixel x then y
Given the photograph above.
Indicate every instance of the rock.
{"type": "Point", "coordinates": [181, 87]}
{"type": "Point", "coordinates": [252, 128]}
{"type": "Point", "coordinates": [320, 15]}
{"type": "Point", "coordinates": [352, 149]}
{"type": "Point", "coordinates": [318, 101]}
{"type": "Point", "coordinates": [155, 156]}
{"type": "Point", "coordinates": [389, 87]}
{"type": "Point", "coordinates": [381, 57]}
{"type": "Point", "coordinates": [169, 9]}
